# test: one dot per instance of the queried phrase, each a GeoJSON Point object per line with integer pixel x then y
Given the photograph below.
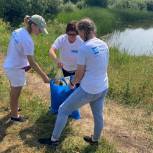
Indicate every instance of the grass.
{"type": "Point", "coordinates": [107, 20]}
{"type": "Point", "coordinates": [131, 79]}
{"type": "Point", "coordinates": [130, 84]}
{"type": "Point", "coordinates": [24, 137]}
{"type": "Point", "coordinates": [4, 30]}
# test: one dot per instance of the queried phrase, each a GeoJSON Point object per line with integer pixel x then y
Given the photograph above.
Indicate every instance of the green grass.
{"type": "Point", "coordinates": [5, 34]}
{"type": "Point", "coordinates": [131, 78]}
{"type": "Point", "coordinates": [40, 124]}
{"type": "Point", "coordinates": [107, 20]}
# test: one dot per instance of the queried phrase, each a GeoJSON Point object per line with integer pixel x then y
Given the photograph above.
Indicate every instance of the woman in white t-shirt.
{"type": "Point", "coordinates": [68, 45]}
{"type": "Point", "coordinates": [91, 72]}
{"type": "Point", "coordinates": [20, 58]}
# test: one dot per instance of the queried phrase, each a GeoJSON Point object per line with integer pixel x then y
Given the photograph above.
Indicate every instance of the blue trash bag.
{"type": "Point", "coordinates": [58, 95]}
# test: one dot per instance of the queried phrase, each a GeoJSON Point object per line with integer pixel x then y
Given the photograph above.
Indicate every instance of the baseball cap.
{"type": "Point", "coordinates": [40, 22]}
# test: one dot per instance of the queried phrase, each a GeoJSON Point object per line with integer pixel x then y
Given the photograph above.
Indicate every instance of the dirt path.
{"type": "Point", "coordinates": [124, 127]}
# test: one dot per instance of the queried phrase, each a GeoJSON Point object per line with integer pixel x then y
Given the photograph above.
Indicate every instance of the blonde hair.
{"type": "Point", "coordinates": [27, 23]}
{"type": "Point", "coordinates": [86, 25]}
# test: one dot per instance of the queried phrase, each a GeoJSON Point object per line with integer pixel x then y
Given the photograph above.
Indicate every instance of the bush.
{"type": "Point", "coordinates": [73, 1]}
{"type": "Point", "coordinates": [99, 3]}
{"type": "Point", "coordinates": [81, 4]}
{"type": "Point", "coordinates": [68, 7]}
{"type": "Point", "coordinates": [5, 34]}
{"type": "Point", "coordinates": [133, 4]}
{"type": "Point", "coordinates": [150, 6]}
{"type": "Point", "coordinates": [14, 11]}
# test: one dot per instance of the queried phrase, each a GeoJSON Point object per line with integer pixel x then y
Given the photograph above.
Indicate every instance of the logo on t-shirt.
{"type": "Point", "coordinates": [96, 50]}
{"type": "Point", "coordinates": [74, 51]}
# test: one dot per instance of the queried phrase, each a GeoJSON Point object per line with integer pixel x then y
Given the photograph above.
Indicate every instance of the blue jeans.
{"type": "Point", "coordinates": [77, 99]}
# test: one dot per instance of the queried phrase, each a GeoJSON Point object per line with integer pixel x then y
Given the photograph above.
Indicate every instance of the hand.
{"type": "Point", "coordinates": [59, 63]}
{"type": "Point", "coordinates": [71, 85]}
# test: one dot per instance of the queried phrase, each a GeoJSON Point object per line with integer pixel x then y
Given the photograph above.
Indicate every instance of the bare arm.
{"type": "Point", "coordinates": [37, 68]}
{"type": "Point", "coordinates": [78, 75]}
{"type": "Point", "coordinates": [52, 54]}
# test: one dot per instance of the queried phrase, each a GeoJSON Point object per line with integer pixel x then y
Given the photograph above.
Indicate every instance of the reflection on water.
{"type": "Point", "coordinates": [137, 41]}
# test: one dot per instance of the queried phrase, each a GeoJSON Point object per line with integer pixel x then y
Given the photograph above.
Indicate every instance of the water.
{"type": "Point", "coordinates": [135, 41]}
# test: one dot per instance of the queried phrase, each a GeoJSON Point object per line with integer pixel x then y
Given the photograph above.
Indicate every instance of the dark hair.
{"type": "Point", "coordinates": [86, 25]}
{"type": "Point", "coordinates": [71, 26]}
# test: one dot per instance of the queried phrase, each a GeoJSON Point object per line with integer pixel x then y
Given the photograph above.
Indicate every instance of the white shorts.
{"type": "Point", "coordinates": [16, 76]}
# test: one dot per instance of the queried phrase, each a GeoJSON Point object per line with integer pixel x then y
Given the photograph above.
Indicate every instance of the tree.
{"type": "Point", "coordinates": [14, 11]}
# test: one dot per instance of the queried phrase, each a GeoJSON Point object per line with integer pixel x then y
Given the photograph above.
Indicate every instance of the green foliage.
{"type": "Point", "coordinates": [131, 15]}
{"type": "Point", "coordinates": [14, 11]}
{"type": "Point", "coordinates": [44, 7]}
{"type": "Point", "coordinates": [99, 3]}
{"type": "Point", "coordinates": [130, 78]}
{"type": "Point", "coordinates": [5, 33]}
{"type": "Point", "coordinates": [132, 4]}
{"type": "Point", "coordinates": [73, 1]}
{"type": "Point", "coordinates": [81, 4]}
{"type": "Point", "coordinates": [149, 5]}
{"type": "Point", "coordinates": [104, 19]}
{"type": "Point", "coordinates": [69, 7]}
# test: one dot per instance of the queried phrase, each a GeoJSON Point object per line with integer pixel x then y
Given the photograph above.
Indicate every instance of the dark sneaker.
{"type": "Point", "coordinates": [18, 119]}
{"type": "Point", "coordinates": [47, 141]}
{"type": "Point", "coordinates": [89, 140]}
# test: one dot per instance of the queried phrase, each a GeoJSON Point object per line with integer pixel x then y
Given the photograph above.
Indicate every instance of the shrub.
{"type": "Point", "coordinates": [150, 6]}
{"type": "Point", "coordinates": [68, 7]}
{"type": "Point", "coordinates": [14, 11]}
{"type": "Point", "coordinates": [81, 4]}
{"type": "Point", "coordinates": [100, 3]}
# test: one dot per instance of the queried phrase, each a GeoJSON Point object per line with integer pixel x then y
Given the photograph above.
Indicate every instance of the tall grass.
{"type": "Point", "coordinates": [130, 78]}
{"type": "Point", "coordinates": [5, 33]}
{"type": "Point", "coordinates": [106, 19]}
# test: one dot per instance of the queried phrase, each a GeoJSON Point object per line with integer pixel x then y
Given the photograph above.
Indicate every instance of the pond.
{"type": "Point", "coordinates": [135, 41]}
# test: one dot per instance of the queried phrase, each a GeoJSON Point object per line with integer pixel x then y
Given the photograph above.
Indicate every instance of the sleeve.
{"type": "Point", "coordinates": [57, 43]}
{"type": "Point", "coordinates": [28, 47]}
{"type": "Point", "coordinates": [81, 59]}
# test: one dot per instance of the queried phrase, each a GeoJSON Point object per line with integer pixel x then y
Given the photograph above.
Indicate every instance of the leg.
{"type": "Point", "coordinates": [97, 110]}
{"type": "Point", "coordinates": [73, 102]}
{"type": "Point", "coordinates": [14, 97]}
{"type": "Point", "coordinates": [17, 81]}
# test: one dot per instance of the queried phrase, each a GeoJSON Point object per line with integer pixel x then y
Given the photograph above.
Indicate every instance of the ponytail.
{"type": "Point", "coordinates": [28, 23]}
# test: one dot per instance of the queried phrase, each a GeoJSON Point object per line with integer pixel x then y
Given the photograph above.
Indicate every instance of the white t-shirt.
{"type": "Point", "coordinates": [94, 54]}
{"type": "Point", "coordinates": [68, 51]}
{"type": "Point", "coordinates": [20, 45]}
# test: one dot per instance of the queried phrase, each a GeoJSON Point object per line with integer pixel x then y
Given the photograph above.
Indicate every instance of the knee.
{"type": "Point", "coordinates": [63, 110]}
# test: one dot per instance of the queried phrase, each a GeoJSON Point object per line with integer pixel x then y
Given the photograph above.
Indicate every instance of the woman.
{"type": "Point", "coordinates": [20, 57]}
{"type": "Point", "coordinates": [91, 72]}
{"type": "Point", "coordinates": [68, 45]}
